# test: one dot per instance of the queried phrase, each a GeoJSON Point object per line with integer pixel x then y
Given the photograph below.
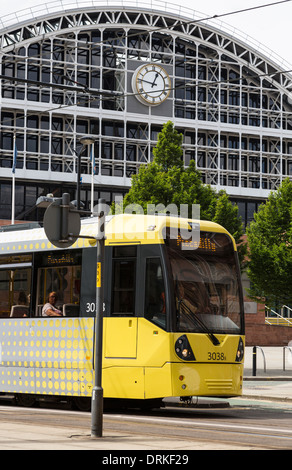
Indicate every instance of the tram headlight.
{"type": "Point", "coordinates": [183, 349]}
{"type": "Point", "coordinates": [240, 351]}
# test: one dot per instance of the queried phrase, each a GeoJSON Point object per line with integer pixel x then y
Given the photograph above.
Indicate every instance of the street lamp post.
{"type": "Point", "coordinates": [86, 140]}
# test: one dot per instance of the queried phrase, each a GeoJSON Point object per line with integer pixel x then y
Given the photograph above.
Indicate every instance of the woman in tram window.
{"type": "Point", "coordinates": [49, 309]}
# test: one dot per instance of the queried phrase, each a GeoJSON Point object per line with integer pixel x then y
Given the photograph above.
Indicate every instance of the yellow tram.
{"type": "Point", "coordinates": [173, 311]}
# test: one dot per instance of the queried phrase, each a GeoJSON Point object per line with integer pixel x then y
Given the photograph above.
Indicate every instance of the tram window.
{"type": "Point", "coordinates": [125, 252]}
{"type": "Point", "coordinates": [65, 281]}
{"type": "Point", "coordinates": [207, 290]}
{"type": "Point", "coordinates": [4, 293]}
{"type": "Point", "coordinates": [155, 308]}
{"type": "Point", "coordinates": [61, 274]}
{"type": "Point", "coordinates": [88, 282]}
{"type": "Point", "coordinates": [15, 286]}
{"type": "Point", "coordinates": [124, 280]}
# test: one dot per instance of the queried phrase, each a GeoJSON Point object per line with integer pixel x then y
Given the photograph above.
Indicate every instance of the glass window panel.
{"type": "Point", "coordinates": [155, 307]}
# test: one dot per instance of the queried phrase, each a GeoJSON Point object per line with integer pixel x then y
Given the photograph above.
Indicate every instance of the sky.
{"type": "Point", "coordinates": [271, 26]}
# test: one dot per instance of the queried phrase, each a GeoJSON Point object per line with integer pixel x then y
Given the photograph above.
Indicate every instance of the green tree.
{"type": "Point", "coordinates": [168, 151]}
{"type": "Point", "coordinates": [270, 248]}
{"type": "Point", "coordinates": [226, 214]}
{"type": "Point", "coordinates": [166, 181]}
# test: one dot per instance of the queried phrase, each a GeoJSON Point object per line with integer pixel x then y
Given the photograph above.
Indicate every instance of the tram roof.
{"type": "Point", "coordinates": [120, 229]}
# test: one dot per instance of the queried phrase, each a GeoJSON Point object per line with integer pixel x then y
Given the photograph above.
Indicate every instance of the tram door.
{"type": "Point", "coordinates": [122, 325]}
{"type": "Point", "coordinates": [135, 287]}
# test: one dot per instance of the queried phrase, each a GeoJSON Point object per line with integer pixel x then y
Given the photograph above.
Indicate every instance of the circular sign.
{"type": "Point", "coordinates": [53, 220]}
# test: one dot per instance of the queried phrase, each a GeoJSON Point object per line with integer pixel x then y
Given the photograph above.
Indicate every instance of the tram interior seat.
{"type": "Point", "coordinates": [19, 311]}
{"type": "Point", "coordinates": [71, 310]}
{"type": "Point", "coordinates": [39, 310]}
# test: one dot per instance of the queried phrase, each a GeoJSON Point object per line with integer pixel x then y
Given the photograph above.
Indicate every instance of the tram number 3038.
{"type": "Point", "coordinates": [91, 307]}
{"type": "Point", "coordinates": [216, 356]}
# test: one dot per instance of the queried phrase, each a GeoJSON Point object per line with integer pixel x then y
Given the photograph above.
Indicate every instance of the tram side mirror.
{"type": "Point", "coordinates": [62, 222]}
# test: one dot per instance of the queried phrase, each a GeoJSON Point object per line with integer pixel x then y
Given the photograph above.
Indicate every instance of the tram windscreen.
{"type": "Point", "coordinates": [206, 284]}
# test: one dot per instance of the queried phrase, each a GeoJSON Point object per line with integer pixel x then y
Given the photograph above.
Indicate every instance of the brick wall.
{"type": "Point", "coordinates": [8, 222]}
{"type": "Point", "coordinates": [257, 333]}
{"type": "Point", "coordinates": [267, 335]}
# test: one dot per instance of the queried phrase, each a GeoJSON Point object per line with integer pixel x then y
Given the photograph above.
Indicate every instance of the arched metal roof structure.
{"type": "Point", "coordinates": [69, 68]}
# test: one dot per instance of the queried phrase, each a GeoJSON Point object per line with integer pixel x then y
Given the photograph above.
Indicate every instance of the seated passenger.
{"type": "Point", "coordinates": [21, 308]}
{"type": "Point", "coordinates": [49, 309]}
{"type": "Point", "coordinates": [22, 299]}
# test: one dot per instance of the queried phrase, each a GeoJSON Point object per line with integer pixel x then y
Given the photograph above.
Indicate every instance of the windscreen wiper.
{"type": "Point", "coordinates": [204, 327]}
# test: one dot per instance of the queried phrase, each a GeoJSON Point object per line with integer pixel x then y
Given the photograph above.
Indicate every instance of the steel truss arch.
{"type": "Point", "coordinates": [75, 67]}
{"type": "Point", "coordinates": [54, 24]}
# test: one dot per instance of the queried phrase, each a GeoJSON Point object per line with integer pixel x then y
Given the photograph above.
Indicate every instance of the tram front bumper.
{"type": "Point", "coordinates": [194, 379]}
{"type": "Point", "coordinates": [211, 379]}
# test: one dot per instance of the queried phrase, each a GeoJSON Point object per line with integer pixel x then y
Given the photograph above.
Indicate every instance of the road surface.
{"type": "Point", "coordinates": [245, 424]}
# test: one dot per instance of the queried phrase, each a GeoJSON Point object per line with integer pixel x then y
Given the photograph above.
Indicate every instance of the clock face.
{"type": "Point", "coordinates": [151, 84]}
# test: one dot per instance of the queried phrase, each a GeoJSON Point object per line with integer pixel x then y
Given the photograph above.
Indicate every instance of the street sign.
{"type": "Point", "coordinates": [62, 222]}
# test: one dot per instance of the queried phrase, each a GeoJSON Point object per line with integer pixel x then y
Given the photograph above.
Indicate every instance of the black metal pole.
{"type": "Point", "coordinates": [254, 361]}
{"type": "Point", "coordinates": [97, 391]}
{"type": "Point", "coordinates": [78, 178]}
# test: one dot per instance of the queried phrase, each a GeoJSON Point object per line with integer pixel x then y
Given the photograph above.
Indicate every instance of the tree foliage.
{"type": "Point", "coordinates": [166, 181]}
{"type": "Point", "coordinates": [270, 248]}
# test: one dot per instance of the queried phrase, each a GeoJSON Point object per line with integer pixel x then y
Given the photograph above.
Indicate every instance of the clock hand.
{"type": "Point", "coordinates": [146, 81]}
{"type": "Point", "coordinates": [154, 80]}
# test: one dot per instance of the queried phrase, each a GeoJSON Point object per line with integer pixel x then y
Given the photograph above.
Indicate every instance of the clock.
{"type": "Point", "coordinates": [151, 84]}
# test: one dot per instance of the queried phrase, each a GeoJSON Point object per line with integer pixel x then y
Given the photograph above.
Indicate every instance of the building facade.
{"type": "Point", "coordinates": [118, 74]}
